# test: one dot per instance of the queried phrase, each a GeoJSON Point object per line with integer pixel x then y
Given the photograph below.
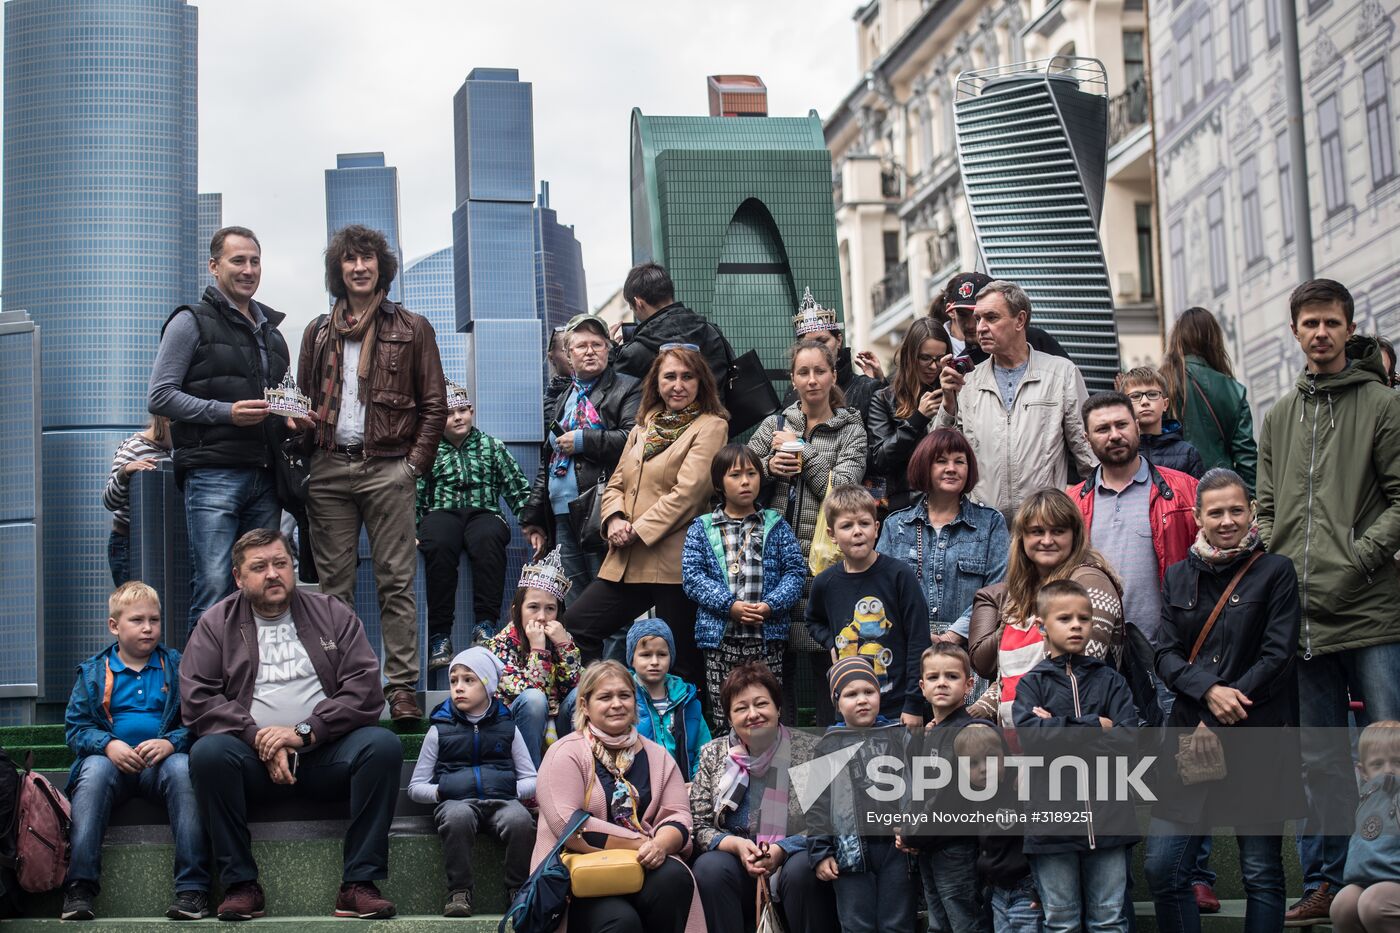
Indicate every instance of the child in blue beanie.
{"type": "Point", "coordinates": [668, 708]}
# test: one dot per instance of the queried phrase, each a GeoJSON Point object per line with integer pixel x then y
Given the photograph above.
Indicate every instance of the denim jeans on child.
{"type": "Point", "coordinates": [1017, 909]}
{"type": "Point", "coordinates": [1082, 890]}
{"type": "Point", "coordinates": [530, 710]}
{"type": "Point", "coordinates": [221, 505]}
{"type": "Point", "coordinates": [1171, 868]}
{"type": "Point", "coordinates": [881, 898]}
{"type": "Point", "coordinates": [948, 871]}
{"type": "Point", "coordinates": [99, 786]}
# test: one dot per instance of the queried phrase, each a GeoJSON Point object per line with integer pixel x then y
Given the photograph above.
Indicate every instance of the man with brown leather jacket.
{"type": "Point", "coordinates": [378, 406]}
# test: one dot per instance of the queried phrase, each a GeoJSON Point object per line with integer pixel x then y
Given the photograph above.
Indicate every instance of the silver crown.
{"type": "Point", "coordinates": [457, 397]}
{"type": "Point", "coordinates": [812, 317]}
{"type": "Point", "coordinates": [286, 399]}
{"type": "Point", "coordinates": [548, 575]}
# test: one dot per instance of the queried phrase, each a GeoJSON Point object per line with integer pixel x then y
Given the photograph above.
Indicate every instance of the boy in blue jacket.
{"type": "Point", "coordinates": [743, 569]}
{"type": "Point", "coordinates": [1083, 879]}
{"type": "Point", "coordinates": [123, 724]}
{"type": "Point", "coordinates": [668, 708]}
{"type": "Point", "coordinates": [476, 767]}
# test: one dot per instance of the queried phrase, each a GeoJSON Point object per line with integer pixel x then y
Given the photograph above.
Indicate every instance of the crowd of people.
{"type": "Point", "coordinates": [974, 545]}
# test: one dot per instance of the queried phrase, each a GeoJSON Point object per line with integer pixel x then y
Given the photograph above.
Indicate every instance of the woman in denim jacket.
{"type": "Point", "coordinates": [955, 545]}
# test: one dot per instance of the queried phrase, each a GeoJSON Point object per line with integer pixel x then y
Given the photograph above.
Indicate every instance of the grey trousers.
{"type": "Point", "coordinates": [458, 822]}
{"type": "Point", "coordinates": [378, 493]}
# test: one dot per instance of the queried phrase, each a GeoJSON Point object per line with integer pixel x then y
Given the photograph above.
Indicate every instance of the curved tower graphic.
{"type": "Point", "coordinates": [1032, 139]}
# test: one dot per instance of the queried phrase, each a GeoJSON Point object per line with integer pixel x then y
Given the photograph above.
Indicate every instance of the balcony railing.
{"type": "Point", "coordinates": [890, 289]}
{"type": "Point", "coordinates": [1127, 111]}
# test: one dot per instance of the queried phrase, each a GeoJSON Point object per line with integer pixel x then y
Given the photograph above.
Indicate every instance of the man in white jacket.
{"type": "Point", "coordinates": [1019, 408]}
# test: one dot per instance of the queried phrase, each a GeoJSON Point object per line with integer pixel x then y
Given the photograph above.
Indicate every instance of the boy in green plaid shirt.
{"type": "Point", "coordinates": [459, 509]}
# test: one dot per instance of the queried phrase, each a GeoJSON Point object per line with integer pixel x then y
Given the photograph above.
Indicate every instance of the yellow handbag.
{"type": "Point", "coordinates": [608, 873]}
{"type": "Point", "coordinates": [823, 551]}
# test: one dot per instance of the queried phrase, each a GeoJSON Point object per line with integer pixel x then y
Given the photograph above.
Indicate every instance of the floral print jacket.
{"type": "Point", "coordinates": [553, 670]}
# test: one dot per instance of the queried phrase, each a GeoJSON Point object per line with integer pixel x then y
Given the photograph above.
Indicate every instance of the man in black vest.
{"type": "Point", "coordinates": [215, 359]}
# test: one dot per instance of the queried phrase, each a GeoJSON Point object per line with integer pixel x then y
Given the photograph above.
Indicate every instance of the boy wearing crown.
{"type": "Point", "coordinates": [459, 509]}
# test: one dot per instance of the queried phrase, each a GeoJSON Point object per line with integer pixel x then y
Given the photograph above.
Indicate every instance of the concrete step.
{"type": "Point", "coordinates": [403, 923]}
{"type": "Point", "coordinates": [1230, 918]}
{"type": "Point", "coordinates": [300, 877]}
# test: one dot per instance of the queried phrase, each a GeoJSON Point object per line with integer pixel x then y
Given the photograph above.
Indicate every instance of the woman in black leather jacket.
{"type": "Point", "coordinates": [901, 413]}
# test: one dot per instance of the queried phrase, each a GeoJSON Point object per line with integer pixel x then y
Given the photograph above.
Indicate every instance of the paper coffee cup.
{"type": "Point", "coordinates": [792, 447]}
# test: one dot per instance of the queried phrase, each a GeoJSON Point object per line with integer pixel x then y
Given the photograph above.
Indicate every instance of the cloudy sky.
{"type": "Point", "coordinates": [284, 85]}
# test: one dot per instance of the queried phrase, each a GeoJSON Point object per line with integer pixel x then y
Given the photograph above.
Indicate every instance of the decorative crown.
{"type": "Point", "coordinates": [457, 397]}
{"type": "Point", "coordinates": [548, 575]}
{"type": "Point", "coordinates": [286, 399]}
{"type": "Point", "coordinates": [812, 317]}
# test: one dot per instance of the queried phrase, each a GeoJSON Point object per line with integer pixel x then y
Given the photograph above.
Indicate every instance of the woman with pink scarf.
{"type": "Point", "coordinates": [749, 827]}
{"type": "Point", "coordinates": [637, 800]}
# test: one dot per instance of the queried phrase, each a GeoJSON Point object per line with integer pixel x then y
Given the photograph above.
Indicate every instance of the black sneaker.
{"type": "Point", "coordinates": [439, 652]}
{"type": "Point", "coordinates": [189, 905]}
{"type": "Point", "coordinates": [482, 633]}
{"type": "Point", "coordinates": [77, 901]}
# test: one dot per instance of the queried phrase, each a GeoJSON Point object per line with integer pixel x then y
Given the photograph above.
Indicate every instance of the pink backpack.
{"type": "Point", "coordinates": [42, 820]}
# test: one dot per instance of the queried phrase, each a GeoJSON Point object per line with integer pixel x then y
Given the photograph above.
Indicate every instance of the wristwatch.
{"type": "Point", "coordinates": [303, 731]}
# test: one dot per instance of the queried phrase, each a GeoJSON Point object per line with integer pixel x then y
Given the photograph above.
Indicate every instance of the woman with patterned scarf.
{"type": "Point", "coordinates": [661, 483]}
{"type": "Point", "coordinates": [749, 827]}
{"type": "Point", "coordinates": [1235, 678]}
{"type": "Point", "coordinates": [635, 795]}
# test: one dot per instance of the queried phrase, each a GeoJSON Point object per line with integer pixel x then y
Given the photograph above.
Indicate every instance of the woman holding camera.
{"type": "Point", "coordinates": [902, 412]}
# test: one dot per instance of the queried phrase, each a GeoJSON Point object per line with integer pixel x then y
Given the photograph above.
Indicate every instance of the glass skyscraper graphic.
{"type": "Point", "coordinates": [493, 248]}
{"type": "Point", "coordinates": [427, 290]}
{"type": "Point", "coordinates": [21, 556]}
{"type": "Point", "coordinates": [361, 189]}
{"type": "Point", "coordinates": [211, 218]}
{"type": "Point", "coordinates": [100, 224]}
{"type": "Point", "coordinates": [561, 290]}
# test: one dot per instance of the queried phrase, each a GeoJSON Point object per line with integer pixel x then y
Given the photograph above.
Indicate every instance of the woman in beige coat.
{"type": "Point", "coordinates": [659, 486]}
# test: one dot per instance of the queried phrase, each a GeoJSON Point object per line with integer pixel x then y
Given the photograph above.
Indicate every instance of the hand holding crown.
{"type": "Point", "coordinates": [288, 400]}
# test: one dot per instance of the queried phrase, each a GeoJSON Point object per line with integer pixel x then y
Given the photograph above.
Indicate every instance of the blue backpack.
{"type": "Point", "coordinates": [540, 903]}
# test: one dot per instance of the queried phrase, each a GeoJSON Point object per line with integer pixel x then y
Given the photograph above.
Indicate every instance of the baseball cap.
{"type": "Point", "coordinates": [963, 290]}
{"type": "Point", "coordinates": [594, 323]}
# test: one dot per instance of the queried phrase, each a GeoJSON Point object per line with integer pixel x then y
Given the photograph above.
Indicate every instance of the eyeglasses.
{"type": "Point", "coordinates": [679, 346]}
{"type": "Point", "coordinates": [1152, 395]}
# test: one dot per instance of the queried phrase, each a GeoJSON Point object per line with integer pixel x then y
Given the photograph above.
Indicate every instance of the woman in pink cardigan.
{"type": "Point", "coordinates": [637, 798]}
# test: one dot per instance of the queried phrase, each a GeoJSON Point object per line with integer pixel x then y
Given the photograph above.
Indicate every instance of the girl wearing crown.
{"type": "Point", "coordinates": [541, 664]}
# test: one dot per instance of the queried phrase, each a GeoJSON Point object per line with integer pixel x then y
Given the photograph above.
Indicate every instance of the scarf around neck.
{"type": "Point", "coordinates": [344, 325]}
{"type": "Point", "coordinates": [1215, 556]}
{"type": "Point", "coordinates": [665, 427]}
{"type": "Point", "coordinates": [583, 415]}
{"type": "Point", "coordinates": [733, 786]}
{"type": "Point", "coordinates": [616, 753]}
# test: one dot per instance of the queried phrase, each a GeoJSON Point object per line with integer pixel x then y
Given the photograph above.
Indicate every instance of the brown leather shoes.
{"type": "Point", "coordinates": [361, 899]}
{"type": "Point", "coordinates": [403, 706]}
{"type": "Point", "coordinates": [1312, 908]}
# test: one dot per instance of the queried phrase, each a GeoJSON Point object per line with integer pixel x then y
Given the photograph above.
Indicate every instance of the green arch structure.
{"type": "Point", "coordinates": [740, 211]}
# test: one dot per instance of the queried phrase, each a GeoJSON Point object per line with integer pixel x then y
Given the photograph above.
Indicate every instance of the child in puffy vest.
{"type": "Point", "coordinates": [668, 708]}
{"type": "Point", "coordinates": [1370, 902]}
{"type": "Point", "coordinates": [476, 767]}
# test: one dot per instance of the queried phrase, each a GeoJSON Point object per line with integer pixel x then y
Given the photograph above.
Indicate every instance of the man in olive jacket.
{"type": "Point", "coordinates": [1329, 499]}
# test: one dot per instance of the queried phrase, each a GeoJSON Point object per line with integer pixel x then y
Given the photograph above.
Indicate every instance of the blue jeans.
{"type": "Point", "coordinates": [1017, 910]}
{"type": "Point", "coordinates": [119, 557]}
{"type": "Point", "coordinates": [530, 710]}
{"type": "Point", "coordinates": [221, 505]}
{"type": "Point", "coordinates": [1083, 890]}
{"type": "Point", "coordinates": [98, 787]}
{"type": "Point", "coordinates": [1325, 684]}
{"type": "Point", "coordinates": [881, 898]}
{"type": "Point", "coordinates": [1171, 867]}
{"type": "Point", "coordinates": [949, 875]}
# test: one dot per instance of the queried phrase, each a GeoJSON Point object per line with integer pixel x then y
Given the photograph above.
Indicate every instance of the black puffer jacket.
{"type": "Point", "coordinates": [674, 323]}
{"type": "Point", "coordinates": [892, 441]}
{"type": "Point", "coordinates": [1076, 690]}
{"type": "Point", "coordinates": [1253, 648]}
{"type": "Point", "coordinates": [616, 396]}
{"type": "Point", "coordinates": [1169, 449]}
